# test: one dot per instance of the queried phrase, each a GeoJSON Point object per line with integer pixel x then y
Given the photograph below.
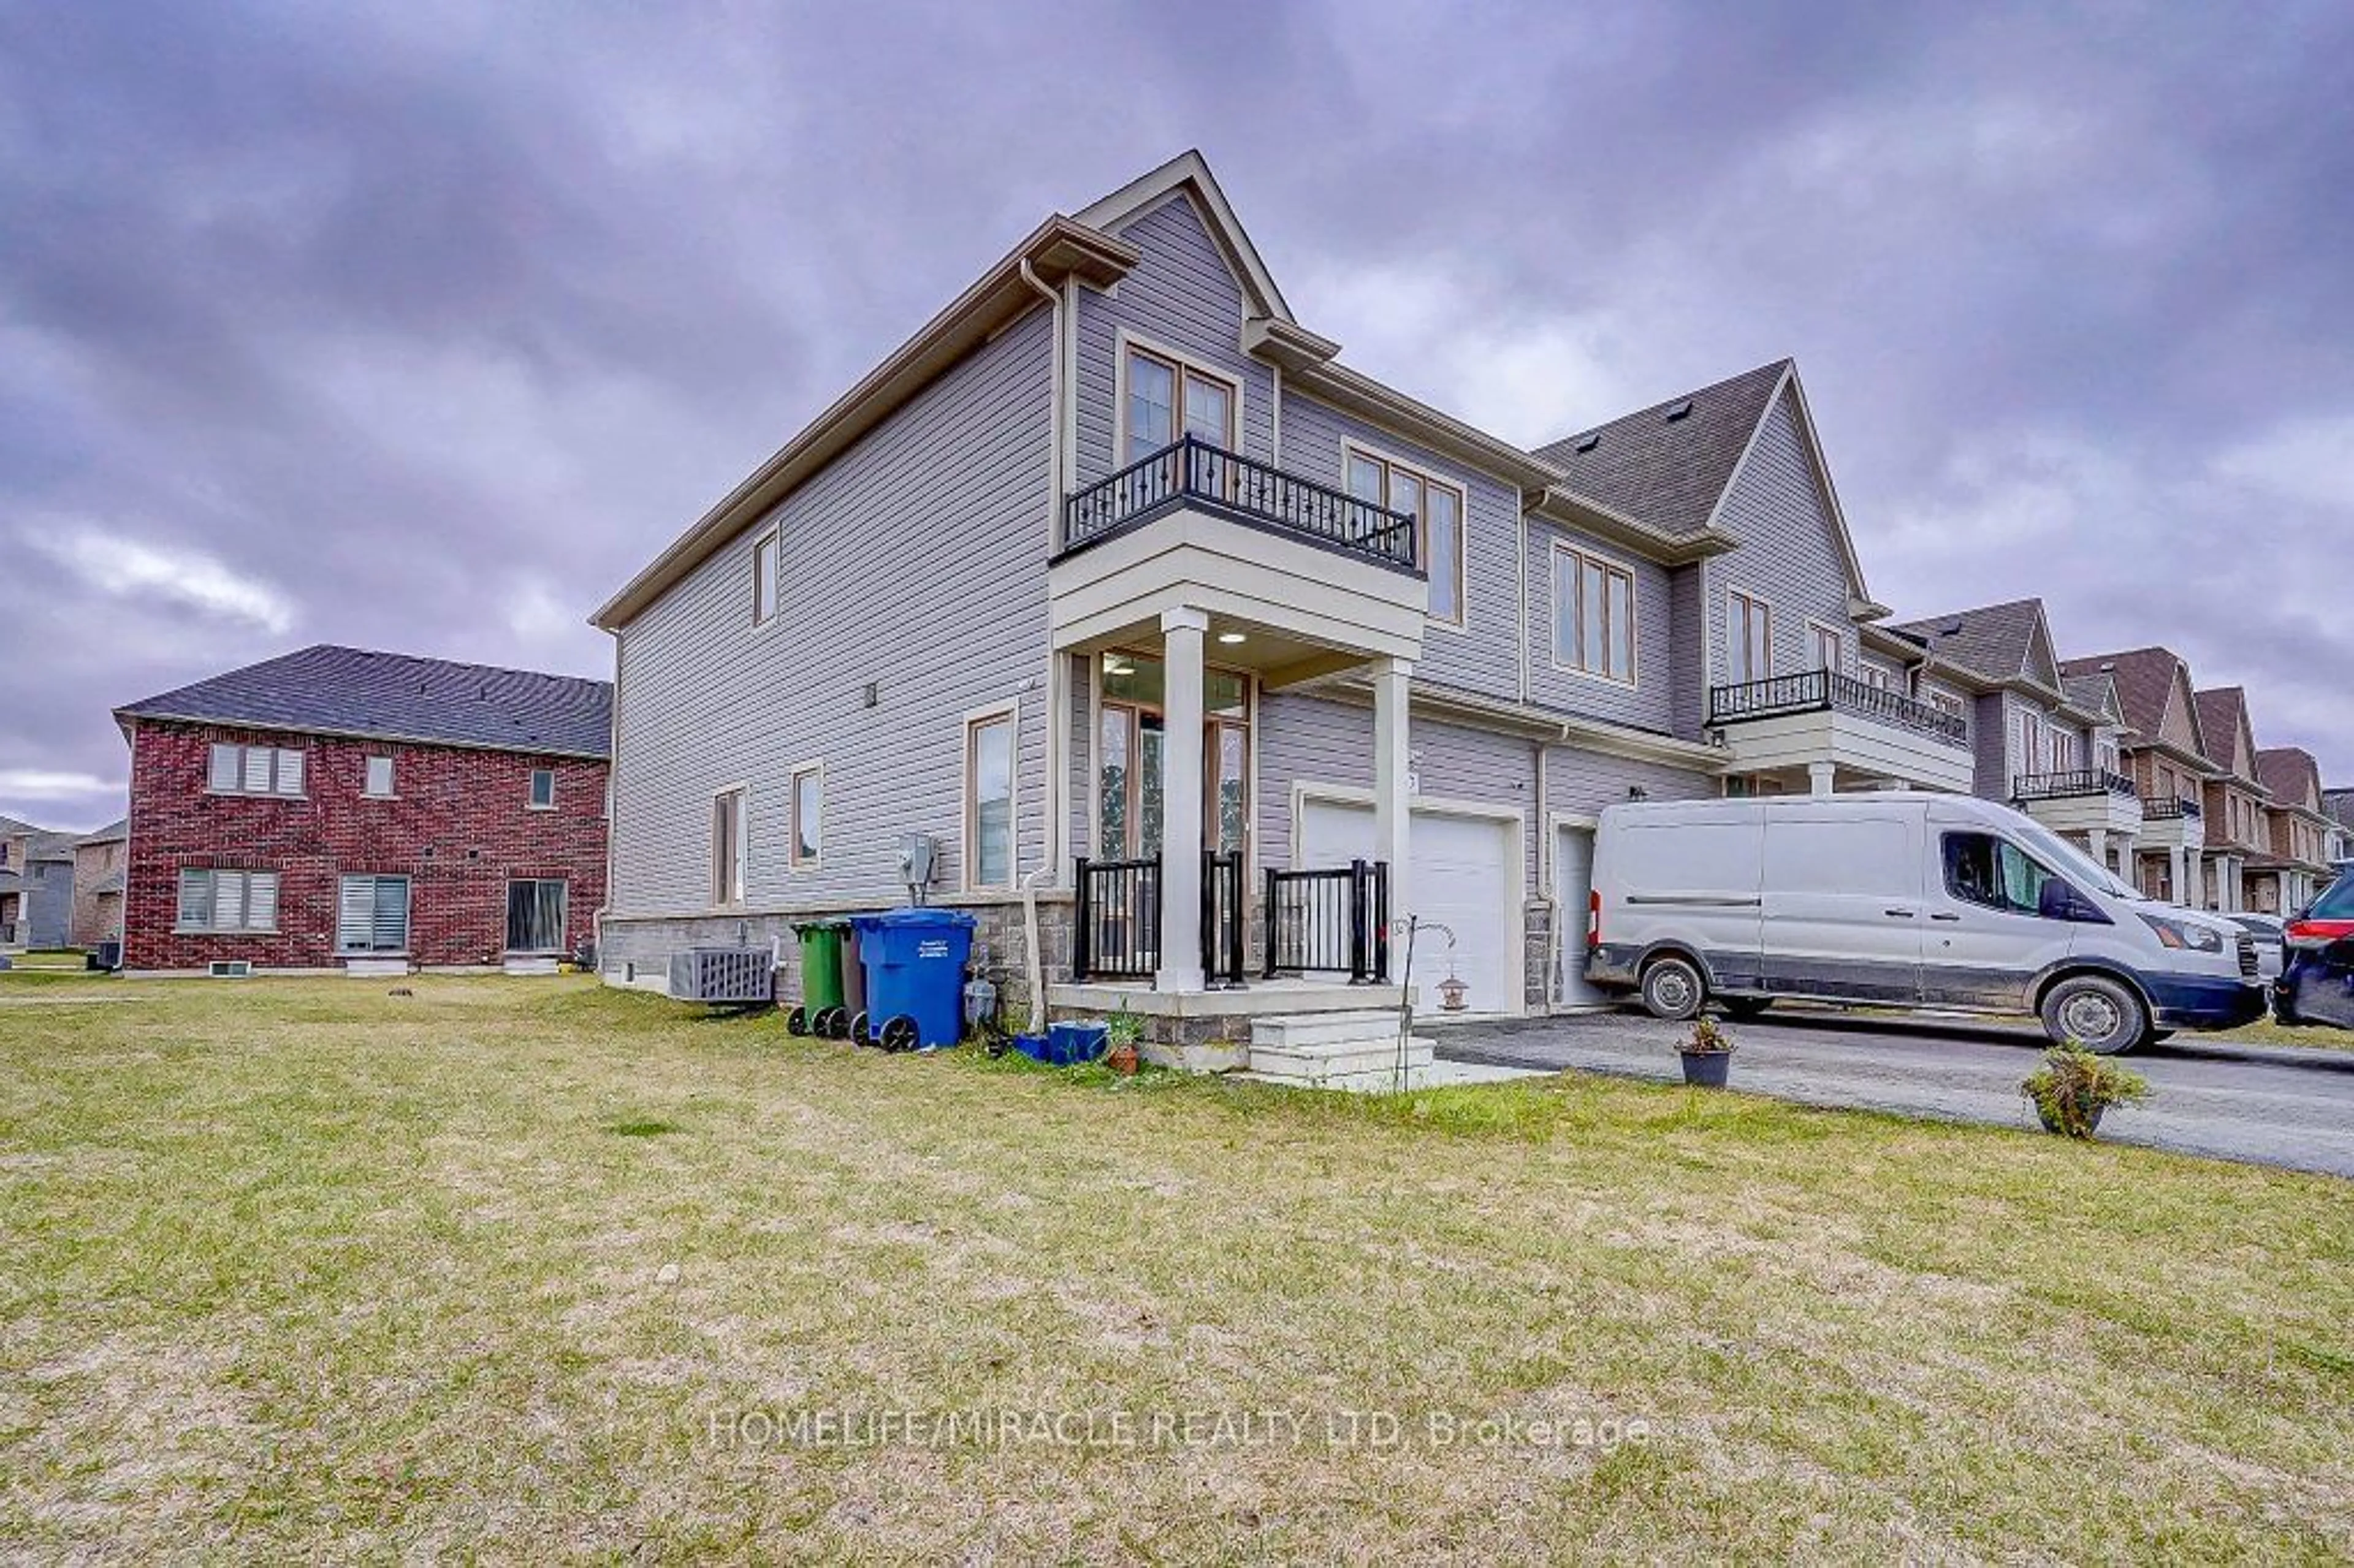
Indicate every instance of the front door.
{"type": "Point", "coordinates": [1130, 735]}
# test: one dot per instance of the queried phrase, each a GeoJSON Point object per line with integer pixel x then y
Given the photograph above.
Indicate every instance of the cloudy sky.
{"type": "Point", "coordinates": [421, 326]}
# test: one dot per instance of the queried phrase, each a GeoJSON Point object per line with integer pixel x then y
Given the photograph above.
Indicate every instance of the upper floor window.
{"type": "Point", "coordinates": [728, 850]}
{"type": "Point", "coordinates": [1748, 638]}
{"type": "Point", "coordinates": [1166, 399]}
{"type": "Point", "coordinates": [255, 770]}
{"type": "Point", "coordinates": [1829, 652]}
{"type": "Point", "coordinates": [543, 789]}
{"type": "Point", "coordinates": [1436, 507]}
{"type": "Point", "coordinates": [2064, 751]}
{"type": "Point", "coordinates": [766, 555]}
{"type": "Point", "coordinates": [809, 816]}
{"type": "Point", "coordinates": [2030, 741]}
{"type": "Point", "coordinates": [1946, 703]}
{"type": "Point", "coordinates": [1593, 616]}
{"type": "Point", "coordinates": [227, 901]}
{"type": "Point", "coordinates": [1880, 678]}
{"type": "Point", "coordinates": [379, 777]}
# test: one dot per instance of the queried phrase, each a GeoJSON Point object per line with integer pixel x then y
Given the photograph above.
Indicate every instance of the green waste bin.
{"type": "Point", "coordinates": [821, 1011]}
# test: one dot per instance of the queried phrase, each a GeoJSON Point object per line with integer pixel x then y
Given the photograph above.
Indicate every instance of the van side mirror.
{"type": "Point", "coordinates": [2057, 901]}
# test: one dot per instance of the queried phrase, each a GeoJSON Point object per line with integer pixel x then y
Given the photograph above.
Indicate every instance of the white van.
{"type": "Point", "coordinates": [1905, 900]}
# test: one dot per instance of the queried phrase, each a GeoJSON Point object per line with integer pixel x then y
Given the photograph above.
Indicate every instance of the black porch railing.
{"type": "Point", "coordinates": [2070, 785]}
{"type": "Point", "coordinates": [1191, 472]}
{"type": "Point", "coordinates": [2168, 810]}
{"type": "Point", "coordinates": [1116, 927]}
{"type": "Point", "coordinates": [1329, 922]}
{"type": "Point", "coordinates": [1823, 691]}
{"type": "Point", "coordinates": [1222, 918]}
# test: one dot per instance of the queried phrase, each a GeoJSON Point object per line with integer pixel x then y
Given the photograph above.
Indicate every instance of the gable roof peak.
{"type": "Point", "coordinates": [1190, 172]}
{"type": "Point", "coordinates": [1668, 464]}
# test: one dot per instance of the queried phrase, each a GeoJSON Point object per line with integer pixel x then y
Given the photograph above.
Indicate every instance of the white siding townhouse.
{"type": "Point", "coordinates": [1158, 618]}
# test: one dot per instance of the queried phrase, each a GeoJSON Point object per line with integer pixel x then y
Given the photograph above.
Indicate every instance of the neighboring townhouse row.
{"type": "Point", "coordinates": [36, 886]}
{"type": "Point", "coordinates": [338, 810]}
{"type": "Point", "coordinates": [1117, 584]}
{"type": "Point", "coordinates": [97, 884]}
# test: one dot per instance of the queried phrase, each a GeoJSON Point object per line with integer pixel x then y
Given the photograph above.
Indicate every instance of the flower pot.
{"type": "Point", "coordinates": [2052, 1123]}
{"type": "Point", "coordinates": [1122, 1059]}
{"type": "Point", "coordinates": [1706, 1069]}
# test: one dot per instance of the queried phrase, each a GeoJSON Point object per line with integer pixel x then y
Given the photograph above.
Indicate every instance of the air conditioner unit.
{"type": "Point", "coordinates": [229, 969]}
{"type": "Point", "coordinates": [731, 976]}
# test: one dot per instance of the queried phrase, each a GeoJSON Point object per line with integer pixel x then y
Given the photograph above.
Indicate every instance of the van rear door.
{"type": "Point", "coordinates": [1842, 900]}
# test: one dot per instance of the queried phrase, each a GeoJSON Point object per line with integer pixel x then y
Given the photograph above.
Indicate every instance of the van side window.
{"type": "Point", "coordinates": [1983, 869]}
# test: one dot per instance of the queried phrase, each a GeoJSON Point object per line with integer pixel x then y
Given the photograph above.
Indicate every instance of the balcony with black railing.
{"type": "Point", "coordinates": [1829, 691]}
{"type": "Point", "coordinates": [1194, 474]}
{"type": "Point", "coordinates": [2072, 784]}
{"type": "Point", "coordinates": [2171, 809]}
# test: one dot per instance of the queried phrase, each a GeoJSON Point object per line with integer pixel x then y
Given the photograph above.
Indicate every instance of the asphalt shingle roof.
{"type": "Point", "coordinates": [1993, 640]}
{"type": "Point", "coordinates": [1666, 473]}
{"type": "Point", "coordinates": [113, 832]}
{"type": "Point", "coordinates": [2289, 772]}
{"type": "Point", "coordinates": [2090, 693]}
{"type": "Point", "coordinates": [328, 690]}
{"type": "Point", "coordinates": [2222, 710]}
{"type": "Point", "coordinates": [2145, 676]}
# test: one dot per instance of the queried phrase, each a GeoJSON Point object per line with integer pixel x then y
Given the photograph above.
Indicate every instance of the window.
{"type": "Point", "coordinates": [1880, 678]}
{"type": "Point", "coordinates": [1829, 652]}
{"type": "Point", "coordinates": [1748, 638]}
{"type": "Point", "coordinates": [536, 914]}
{"type": "Point", "coordinates": [2029, 739]}
{"type": "Point", "coordinates": [2063, 752]}
{"type": "Point", "coordinates": [764, 578]}
{"type": "Point", "coordinates": [989, 801]}
{"type": "Point", "coordinates": [379, 777]}
{"type": "Point", "coordinates": [727, 847]}
{"type": "Point", "coordinates": [809, 816]}
{"type": "Point", "coordinates": [1593, 616]}
{"type": "Point", "coordinates": [1166, 399]}
{"type": "Point", "coordinates": [255, 770]}
{"type": "Point", "coordinates": [1983, 869]}
{"type": "Point", "coordinates": [227, 901]}
{"type": "Point", "coordinates": [543, 789]}
{"type": "Point", "coordinates": [372, 915]}
{"type": "Point", "coordinates": [1436, 507]}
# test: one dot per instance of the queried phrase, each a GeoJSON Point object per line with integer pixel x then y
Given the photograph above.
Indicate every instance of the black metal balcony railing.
{"type": "Point", "coordinates": [1116, 927]}
{"type": "Point", "coordinates": [2074, 783]}
{"type": "Point", "coordinates": [1329, 922]}
{"type": "Point", "coordinates": [1823, 691]}
{"type": "Point", "coordinates": [1222, 919]}
{"type": "Point", "coordinates": [2163, 811]}
{"type": "Point", "coordinates": [1193, 473]}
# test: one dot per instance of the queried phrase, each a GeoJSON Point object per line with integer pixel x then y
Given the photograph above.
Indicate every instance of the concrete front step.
{"type": "Point", "coordinates": [1320, 1065]}
{"type": "Point", "coordinates": [1303, 1029]}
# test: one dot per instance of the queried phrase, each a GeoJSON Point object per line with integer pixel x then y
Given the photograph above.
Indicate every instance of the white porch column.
{"type": "Point", "coordinates": [1181, 634]}
{"type": "Point", "coordinates": [2179, 884]}
{"type": "Point", "coordinates": [2099, 845]}
{"type": "Point", "coordinates": [1392, 804]}
{"type": "Point", "coordinates": [1819, 777]}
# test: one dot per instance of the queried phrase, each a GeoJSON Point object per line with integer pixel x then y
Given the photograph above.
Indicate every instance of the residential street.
{"type": "Point", "coordinates": [2280, 1106]}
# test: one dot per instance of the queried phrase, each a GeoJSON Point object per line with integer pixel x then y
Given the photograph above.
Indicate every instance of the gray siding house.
{"type": "Point", "coordinates": [1159, 620]}
{"type": "Point", "coordinates": [36, 886]}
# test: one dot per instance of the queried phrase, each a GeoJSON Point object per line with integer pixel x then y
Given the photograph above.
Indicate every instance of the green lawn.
{"type": "Point", "coordinates": [302, 1268]}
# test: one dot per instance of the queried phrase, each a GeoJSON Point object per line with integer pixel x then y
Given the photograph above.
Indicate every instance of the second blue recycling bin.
{"type": "Point", "coordinates": [914, 961]}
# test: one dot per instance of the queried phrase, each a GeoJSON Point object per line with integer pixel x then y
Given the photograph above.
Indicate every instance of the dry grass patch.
{"type": "Point", "coordinates": [496, 1269]}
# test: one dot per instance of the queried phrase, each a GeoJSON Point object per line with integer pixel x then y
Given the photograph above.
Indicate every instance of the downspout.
{"type": "Point", "coordinates": [1035, 968]}
{"type": "Point", "coordinates": [1545, 871]}
{"type": "Point", "coordinates": [613, 805]}
{"type": "Point", "coordinates": [1524, 599]}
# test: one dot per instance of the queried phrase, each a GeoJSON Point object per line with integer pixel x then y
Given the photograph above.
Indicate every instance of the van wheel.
{"type": "Point", "coordinates": [2100, 1014]}
{"type": "Point", "coordinates": [1673, 989]}
{"type": "Point", "coordinates": [1745, 1007]}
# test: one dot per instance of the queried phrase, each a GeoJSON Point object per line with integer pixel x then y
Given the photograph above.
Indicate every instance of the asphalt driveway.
{"type": "Point", "coordinates": [2268, 1106]}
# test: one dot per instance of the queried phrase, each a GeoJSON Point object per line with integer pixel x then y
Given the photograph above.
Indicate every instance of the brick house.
{"type": "Point", "coordinates": [335, 809]}
{"type": "Point", "coordinates": [97, 885]}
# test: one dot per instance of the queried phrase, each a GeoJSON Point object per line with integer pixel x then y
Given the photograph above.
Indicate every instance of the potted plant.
{"type": "Point", "coordinates": [1124, 1031]}
{"type": "Point", "coordinates": [2073, 1088]}
{"type": "Point", "coordinates": [1707, 1054]}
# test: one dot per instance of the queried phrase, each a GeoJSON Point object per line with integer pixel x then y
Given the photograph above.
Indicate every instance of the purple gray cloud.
{"type": "Point", "coordinates": [421, 326]}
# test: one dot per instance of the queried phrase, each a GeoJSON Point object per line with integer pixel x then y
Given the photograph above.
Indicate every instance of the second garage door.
{"type": "Point", "coordinates": [1464, 877]}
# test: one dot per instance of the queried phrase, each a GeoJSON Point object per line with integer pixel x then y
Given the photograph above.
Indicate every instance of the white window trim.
{"type": "Point", "coordinates": [772, 535]}
{"type": "Point", "coordinates": [277, 891]}
{"type": "Point", "coordinates": [1353, 447]}
{"type": "Point", "coordinates": [271, 794]}
{"type": "Point", "coordinates": [1723, 650]}
{"type": "Point", "coordinates": [1578, 551]}
{"type": "Point", "coordinates": [1123, 341]}
{"type": "Point", "coordinates": [1845, 666]}
{"type": "Point", "coordinates": [407, 914]}
{"type": "Point", "coordinates": [794, 862]}
{"type": "Point", "coordinates": [968, 807]}
{"type": "Point", "coordinates": [532, 805]}
{"type": "Point", "coordinates": [743, 849]}
{"type": "Point", "coordinates": [392, 770]}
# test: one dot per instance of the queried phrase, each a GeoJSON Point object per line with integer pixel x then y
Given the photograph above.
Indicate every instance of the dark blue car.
{"type": "Point", "coordinates": [2316, 984]}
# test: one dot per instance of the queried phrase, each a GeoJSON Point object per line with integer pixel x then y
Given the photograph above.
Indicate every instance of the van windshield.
{"type": "Point", "coordinates": [2071, 861]}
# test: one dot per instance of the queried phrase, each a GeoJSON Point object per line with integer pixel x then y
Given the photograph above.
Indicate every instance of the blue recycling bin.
{"type": "Point", "coordinates": [914, 961]}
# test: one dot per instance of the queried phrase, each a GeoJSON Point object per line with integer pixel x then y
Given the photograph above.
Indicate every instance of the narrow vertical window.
{"type": "Point", "coordinates": [1151, 404]}
{"type": "Point", "coordinates": [727, 847]}
{"type": "Point", "coordinates": [1748, 638]}
{"type": "Point", "coordinates": [1829, 655]}
{"type": "Point", "coordinates": [1443, 531]}
{"type": "Point", "coordinates": [765, 556]}
{"type": "Point", "coordinates": [809, 817]}
{"type": "Point", "coordinates": [989, 801]}
{"type": "Point", "coordinates": [379, 777]}
{"type": "Point", "coordinates": [1593, 616]}
{"type": "Point", "coordinates": [543, 789]}
{"type": "Point", "coordinates": [227, 768]}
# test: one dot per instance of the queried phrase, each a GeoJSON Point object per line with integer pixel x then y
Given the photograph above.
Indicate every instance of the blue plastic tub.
{"type": "Point", "coordinates": [1033, 1046]}
{"type": "Point", "coordinates": [1070, 1044]}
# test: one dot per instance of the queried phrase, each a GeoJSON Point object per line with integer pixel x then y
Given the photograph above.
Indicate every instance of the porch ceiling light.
{"type": "Point", "coordinates": [1230, 637]}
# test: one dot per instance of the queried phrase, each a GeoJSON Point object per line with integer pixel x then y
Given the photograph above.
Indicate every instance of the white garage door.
{"type": "Point", "coordinates": [1463, 878]}
{"type": "Point", "coordinates": [1573, 870]}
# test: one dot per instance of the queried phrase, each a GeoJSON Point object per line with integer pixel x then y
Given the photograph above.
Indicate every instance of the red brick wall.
{"type": "Point", "coordinates": [460, 826]}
